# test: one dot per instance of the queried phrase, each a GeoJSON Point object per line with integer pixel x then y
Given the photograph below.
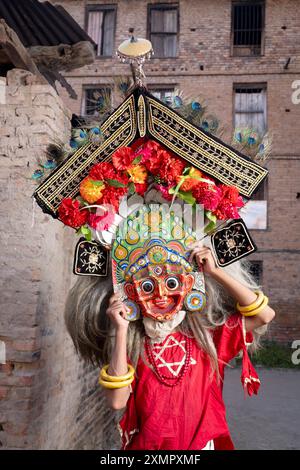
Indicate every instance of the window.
{"type": "Point", "coordinates": [247, 27]}
{"type": "Point", "coordinates": [101, 27]}
{"type": "Point", "coordinates": [256, 269]}
{"type": "Point", "coordinates": [250, 106]}
{"type": "Point", "coordinates": [96, 100]}
{"type": "Point", "coordinates": [255, 211]}
{"type": "Point", "coordinates": [163, 29]}
{"type": "Point", "coordinates": [163, 94]}
{"type": "Point", "coordinates": [250, 112]}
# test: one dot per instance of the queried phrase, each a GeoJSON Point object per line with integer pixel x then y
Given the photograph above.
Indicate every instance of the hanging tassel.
{"type": "Point", "coordinates": [249, 377]}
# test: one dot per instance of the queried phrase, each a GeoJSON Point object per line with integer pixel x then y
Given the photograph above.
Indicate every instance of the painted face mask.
{"type": "Point", "coordinates": [151, 268]}
{"type": "Point", "coordinates": [161, 284]}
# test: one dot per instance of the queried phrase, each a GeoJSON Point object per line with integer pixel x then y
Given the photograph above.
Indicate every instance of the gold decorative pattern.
{"type": "Point", "coordinates": [141, 116]}
{"type": "Point", "coordinates": [119, 130]}
{"type": "Point", "coordinates": [203, 151]}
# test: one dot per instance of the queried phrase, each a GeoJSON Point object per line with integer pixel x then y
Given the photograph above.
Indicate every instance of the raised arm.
{"type": "Point", "coordinates": [117, 398]}
{"type": "Point", "coordinates": [238, 291]}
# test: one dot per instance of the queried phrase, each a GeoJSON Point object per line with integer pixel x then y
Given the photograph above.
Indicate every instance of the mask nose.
{"type": "Point", "coordinates": [161, 289]}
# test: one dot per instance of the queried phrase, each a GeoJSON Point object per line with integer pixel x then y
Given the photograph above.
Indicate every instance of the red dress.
{"type": "Point", "coordinates": [188, 415]}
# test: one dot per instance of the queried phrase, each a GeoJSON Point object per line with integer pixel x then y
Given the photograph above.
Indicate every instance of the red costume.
{"type": "Point", "coordinates": [188, 415]}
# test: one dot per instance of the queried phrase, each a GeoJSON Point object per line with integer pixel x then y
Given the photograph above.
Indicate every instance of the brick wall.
{"type": "Point", "coordinates": [204, 41]}
{"type": "Point", "coordinates": [48, 398]}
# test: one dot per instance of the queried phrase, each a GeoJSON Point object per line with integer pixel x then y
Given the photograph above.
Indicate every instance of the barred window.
{"type": "Point", "coordinates": [247, 27]}
{"type": "Point", "coordinates": [96, 100]}
{"type": "Point", "coordinates": [250, 107]}
{"type": "Point", "coordinates": [163, 29]}
{"type": "Point", "coordinates": [101, 27]}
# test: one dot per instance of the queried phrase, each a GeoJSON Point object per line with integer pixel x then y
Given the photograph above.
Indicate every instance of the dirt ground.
{"type": "Point", "coordinates": [270, 420]}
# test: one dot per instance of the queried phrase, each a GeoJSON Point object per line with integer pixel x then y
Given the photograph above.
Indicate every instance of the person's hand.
{"type": "Point", "coordinates": [117, 311]}
{"type": "Point", "coordinates": [204, 258]}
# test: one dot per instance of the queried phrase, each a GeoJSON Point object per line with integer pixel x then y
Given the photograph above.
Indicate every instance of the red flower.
{"type": "Point", "coordinates": [101, 171]}
{"type": "Point", "coordinates": [123, 178]}
{"type": "Point", "coordinates": [70, 214]}
{"type": "Point", "coordinates": [170, 167]}
{"type": "Point", "coordinates": [152, 145]}
{"type": "Point", "coordinates": [152, 156]}
{"type": "Point", "coordinates": [152, 162]}
{"type": "Point", "coordinates": [232, 194]}
{"type": "Point", "coordinates": [140, 188]}
{"type": "Point", "coordinates": [229, 203]}
{"type": "Point", "coordinates": [209, 195]}
{"type": "Point", "coordinates": [143, 151]}
{"type": "Point", "coordinates": [122, 158]}
{"type": "Point", "coordinates": [226, 210]}
{"type": "Point", "coordinates": [190, 182]}
{"type": "Point", "coordinates": [112, 196]}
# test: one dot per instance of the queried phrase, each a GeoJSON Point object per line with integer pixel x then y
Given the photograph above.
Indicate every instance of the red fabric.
{"type": "Point", "coordinates": [192, 413]}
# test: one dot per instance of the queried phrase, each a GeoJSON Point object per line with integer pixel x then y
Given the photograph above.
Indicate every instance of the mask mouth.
{"type": "Point", "coordinates": [164, 306]}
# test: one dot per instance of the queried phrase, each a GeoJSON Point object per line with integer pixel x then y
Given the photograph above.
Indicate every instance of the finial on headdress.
{"type": "Point", "coordinates": [135, 51]}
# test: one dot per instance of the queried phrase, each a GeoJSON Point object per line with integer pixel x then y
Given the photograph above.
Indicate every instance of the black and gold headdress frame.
{"type": "Point", "coordinates": [142, 115]}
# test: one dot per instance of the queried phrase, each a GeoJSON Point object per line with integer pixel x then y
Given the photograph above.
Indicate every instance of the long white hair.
{"type": "Point", "coordinates": [92, 333]}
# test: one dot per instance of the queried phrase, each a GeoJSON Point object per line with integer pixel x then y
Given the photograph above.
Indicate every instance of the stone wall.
{"type": "Point", "coordinates": [48, 398]}
{"type": "Point", "coordinates": [204, 67]}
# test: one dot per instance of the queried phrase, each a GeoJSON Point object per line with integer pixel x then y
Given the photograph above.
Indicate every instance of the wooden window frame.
{"type": "Point", "coordinates": [164, 87]}
{"type": "Point", "coordinates": [163, 6]}
{"type": "Point", "coordinates": [262, 85]}
{"type": "Point", "coordinates": [99, 7]}
{"type": "Point", "coordinates": [250, 86]}
{"type": "Point", "coordinates": [262, 43]}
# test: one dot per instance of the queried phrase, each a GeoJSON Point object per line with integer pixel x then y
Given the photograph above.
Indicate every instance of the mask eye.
{"type": "Point", "coordinates": [147, 287]}
{"type": "Point", "coordinates": [172, 283]}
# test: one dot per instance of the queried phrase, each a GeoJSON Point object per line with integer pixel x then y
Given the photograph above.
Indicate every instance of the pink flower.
{"type": "Point", "coordinates": [164, 191]}
{"type": "Point", "coordinates": [102, 220]}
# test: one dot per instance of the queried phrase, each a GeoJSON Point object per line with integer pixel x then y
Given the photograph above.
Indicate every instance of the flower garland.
{"type": "Point", "coordinates": [132, 171]}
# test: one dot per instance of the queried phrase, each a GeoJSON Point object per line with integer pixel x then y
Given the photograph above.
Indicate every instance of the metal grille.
{"type": "Point", "coordinates": [163, 29]}
{"type": "Point", "coordinates": [247, 27]}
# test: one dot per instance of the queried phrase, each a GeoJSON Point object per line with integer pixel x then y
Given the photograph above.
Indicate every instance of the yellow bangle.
{"type": "Point", "coordinates": [122, 384]}
{"type": "Point", "coordinates": [116, 378]}
{"type": "Point", "coordinates": [253, 305]}
{"type": "Point", "coordinates": [258, 309]}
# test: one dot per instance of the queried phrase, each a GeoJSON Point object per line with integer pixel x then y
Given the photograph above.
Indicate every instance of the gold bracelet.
{"type": "Point", "coordinates": [114, 385]}
{"type": "Point", "coordinates": [258, 309]}
{"type": "Point", "coordinates": [253, 305]}
{"type": "Point", "coordinates": [116, 378]}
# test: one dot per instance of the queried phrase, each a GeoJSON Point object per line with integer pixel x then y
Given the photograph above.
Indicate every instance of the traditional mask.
{"type": "Point", "coordinates": [161, 284]}
{"type": "Point", "coordinates": [151, 267]}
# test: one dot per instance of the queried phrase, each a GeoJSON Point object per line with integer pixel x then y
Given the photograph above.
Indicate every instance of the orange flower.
{"type": "Point", "coordinates": [190, 182]}
{"type": "Point", "coordinates": [91, 190]}
{"type": "Point", "coordinates": [138, 173]}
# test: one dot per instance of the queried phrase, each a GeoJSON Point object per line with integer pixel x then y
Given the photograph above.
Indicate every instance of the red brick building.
{"type": "Point", "coordinates": [242, 57]}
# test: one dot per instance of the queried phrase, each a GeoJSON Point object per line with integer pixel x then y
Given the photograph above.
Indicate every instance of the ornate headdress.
{"type": "Point", "coordinates": [150, 257]}
{"type": "Point", "coordinates": [143, 146]}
